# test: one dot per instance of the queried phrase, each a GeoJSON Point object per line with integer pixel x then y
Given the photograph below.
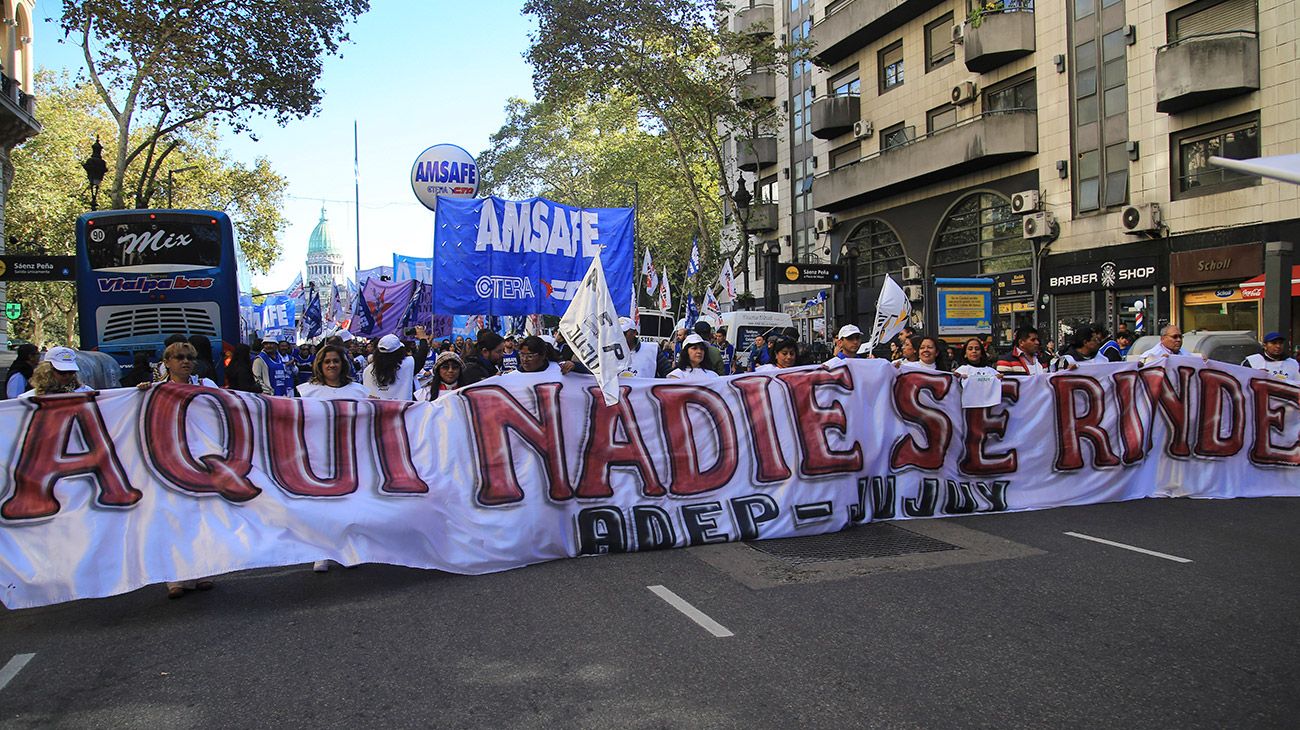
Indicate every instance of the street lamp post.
{"type": "Point", "coordinates": [743, 198]}
{"type": "Point", "coordinates": [170, 182]}
{"type": "Point", "coordinates": [95, 168]}
{"type": "Point", "coordinates": [771, 297]}
{"type": "Point", "coordinates": [850, 254]}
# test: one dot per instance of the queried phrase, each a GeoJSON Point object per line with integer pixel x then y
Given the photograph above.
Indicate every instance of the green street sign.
{"type": "Point", "coordinates": [13, 310]}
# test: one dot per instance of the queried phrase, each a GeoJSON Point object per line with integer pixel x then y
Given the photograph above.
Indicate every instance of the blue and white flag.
{"type": "Point", "coordinates": [693, 265]}
{"type": "Point", "coordinates": [692, 312]}
{"type": "Point", "coordinates": [277, 317]}
{"type": "Point", "coordinates": [507, 257]}
{"type": "Point", "coordinates": [311, 317]}
{"type": "Point", "coordinates": [362, 319]}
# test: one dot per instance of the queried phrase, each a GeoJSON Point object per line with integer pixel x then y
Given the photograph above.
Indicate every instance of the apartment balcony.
{"type": "Point", "coordinates": [758, 88]}
{"type": "Point", "coordinates": [757, 153]}
{"type": "Point", "coordinates": [1001, 38]}
{"type": "Point", "coordinates": [17, 113]}
{"type": "Point", "coordinates": [1198, 70]}
{"type": "Point", "coordinates": [835, 115]}
{"type": "Point", "coordinates": [763, 218]}
{"type": "Point", "coordinates": [975, 144]}
{"type": "Point", "coordinates": [851, 25]}
{"type": "Point", "coordinates": [756, 20]}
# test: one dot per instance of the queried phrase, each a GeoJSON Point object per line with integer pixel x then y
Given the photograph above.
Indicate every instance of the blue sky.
{"type": "Point", "coordinates": [417, 73]}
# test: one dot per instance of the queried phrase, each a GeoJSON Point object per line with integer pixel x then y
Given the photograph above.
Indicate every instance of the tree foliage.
{"type": "Point", "coordinates": [49, 192]}
{"type": "Point", "coordinates": [683, 71]}
{"type": "Point", "coordinates": [163, 67]}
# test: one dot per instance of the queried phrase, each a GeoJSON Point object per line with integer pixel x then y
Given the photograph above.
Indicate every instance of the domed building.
{"type": "Point", "coordinates": [324, 258]}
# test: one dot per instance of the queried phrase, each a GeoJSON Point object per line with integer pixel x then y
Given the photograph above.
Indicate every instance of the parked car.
{"type": "Point", "coordinates": [1230, 346]}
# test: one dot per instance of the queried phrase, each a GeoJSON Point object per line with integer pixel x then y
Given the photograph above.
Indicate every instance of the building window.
{"type": "Point", "coordinates": [896, 136]}
{"type": "Point", "coordinates": [1099, 105]}
{"type": "Point", "coordinates": [938, 43]}
{"type": "Point", "coordinates": [982, 236]}
{"type": "Point", "coordinates": [1020, 92]}
{"type": "Point", "coordinates": [891, 66]}
{"type": "Point", "coordinates": [846, 155]}
{"type": "Point", "coordinates": [847, 83]}
{"type": "Point", "coordinates": [1209, 17]}
{"type": "Point", "coordinates": [1236, 138]}
{"type": "Point", "coordinates": [880, 252]}
{"type": "Point", "coordinates": [940, 118]}
{"type": "Point", "coordinates": [768, 191]}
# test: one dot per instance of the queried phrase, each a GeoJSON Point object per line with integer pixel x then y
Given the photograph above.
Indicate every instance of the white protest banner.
{"type": "Point", "coordinates": [103, 493]}
{"type": "Point", "coordinates": [727, 280]}
{"type": "Point", "coordinates": [590, 326]}
{"type": "Point", "coordinates": [665, 294]}
{"type": "Point", "coordinates": [892, 312]}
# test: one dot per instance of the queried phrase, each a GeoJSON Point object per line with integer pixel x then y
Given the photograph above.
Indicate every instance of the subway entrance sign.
{"type": "Point", "coordinates": [812, 273]}
{"type": "Point", "coordinates": [38, 268]}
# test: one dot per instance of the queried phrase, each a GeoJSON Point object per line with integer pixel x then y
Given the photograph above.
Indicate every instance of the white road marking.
{"type": "Point", "coordinates": [11, 670]}
{"type": "Point", "coordinates": [1144, 551]}
{"type": "Point", "coordinates": [693, 613]}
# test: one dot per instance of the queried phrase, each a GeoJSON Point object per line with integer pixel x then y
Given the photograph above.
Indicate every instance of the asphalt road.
{"type": "Point", "coordinates": [1019, 625]}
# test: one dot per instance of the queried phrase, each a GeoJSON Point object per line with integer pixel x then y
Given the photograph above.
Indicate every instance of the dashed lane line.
{"type": "Point", "coordinates": [11, 670]}
{"type": "Point", "coordinates": [1135, 549]}
{"type": "Point", "coordinates": [693, 613]}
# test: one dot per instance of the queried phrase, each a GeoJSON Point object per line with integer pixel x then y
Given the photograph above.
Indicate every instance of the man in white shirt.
{"type": "Point", "coordinates": [643, 359]}
{"type": "Point", "coordinates": [1274, 360]}
{"type": "Point", "coordinates": [847, 342]}
{"type": "Point", "coordinates": [1171, 343]}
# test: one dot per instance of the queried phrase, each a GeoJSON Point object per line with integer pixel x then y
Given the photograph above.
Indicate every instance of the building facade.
{"type": "Point", "coordinates": [324, 258]}
{"type": "Point", "coordinates": [1059, 152]}
{"type": "Point", "coordinates": [17, 105]}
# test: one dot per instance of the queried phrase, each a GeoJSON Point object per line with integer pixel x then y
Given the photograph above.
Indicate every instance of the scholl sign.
{"type": "Point", "coordinates": [444, 169]}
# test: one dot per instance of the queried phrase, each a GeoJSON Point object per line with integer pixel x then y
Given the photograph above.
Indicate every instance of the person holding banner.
{"type": "Point", "coordinates": [534, 357]}
{"type": "Point", "coordinates": [691, 364]}
{"type": "Point", "coordinates": [1024, 356]}
{"type": "Point", "coordinates": [921, 353]}
{"type": "Point", "coordinates": [270, 371]}
{"type": "Point", "coordinates": [391, 376]}
{"type": "Point", "coordinates": [485, 360]}
{"type": "Point", "coordinates": [1274, 360]}
{"type": "Point", "coordinates": [447, 368]}
{"type": "Point", "coordinates": [981, 385]}
{"type": "Point", "coordinates": [644, 359]}
{"type": "Point", "coordinates": [57, 373]}
{"type": "Point", "coordinates": [785, 352]}
{"type": "Point", "coordinates": [331, 377]}
{"type": "Point", "coordinates": [847, 342]}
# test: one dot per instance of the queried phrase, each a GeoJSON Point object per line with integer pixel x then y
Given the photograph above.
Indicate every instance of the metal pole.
{"type": "Point", "coordinates": [356, 197]}
{"type": "Point", "coordinates": [171, 174]}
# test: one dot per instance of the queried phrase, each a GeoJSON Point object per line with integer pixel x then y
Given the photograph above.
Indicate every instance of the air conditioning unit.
{"type": "Point", "coordinates": [1143, 218]}
{"type": "Point", "coordinates": [964, 93]}
{"type": "Point", "coordinates": [1037, 225]}
{"type": "Point", "coordinates": [826, 224]}
{"type": "Point", "coordinates": [1025, 202]}
{"type": "Point", "coordinates": [958, 32]}
{"type": "Point", "coordinates": [912, 292]}
{"type": "Point", "coordinates": [911, 273]}
{"type": "Point", "coordinates": [862, 129]}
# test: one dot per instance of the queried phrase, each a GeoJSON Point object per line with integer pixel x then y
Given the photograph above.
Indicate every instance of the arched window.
{"type": "Point", "coordinates": [981, 236]}
{"type": "Point", "coordinates": [22, 70]}
{"type": "Point", "coordinates": [879, 253]}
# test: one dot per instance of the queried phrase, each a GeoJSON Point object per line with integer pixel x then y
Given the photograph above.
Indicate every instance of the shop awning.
{"type": "Point", "coordinates": [1278, 167]}
{"type": "Point", "coordinates": [1254, 288]}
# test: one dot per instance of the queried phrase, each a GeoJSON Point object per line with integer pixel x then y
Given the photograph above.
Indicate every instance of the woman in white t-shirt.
{"type": "Point", "coordinates": [981, 383]}
{"type": "Point", "coordinates": [927, 353]}
{"type": "Point", "coordinates": [331, 377]}
{"type": "Point", "coordinates": [391, 375]}
{"type": "Point", "coordinates": [785, 352]}
{"type": "Point", "coordinates": [690, 364]}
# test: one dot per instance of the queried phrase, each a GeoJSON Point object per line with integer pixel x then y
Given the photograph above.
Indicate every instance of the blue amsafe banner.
{"type": "Point", "coordinates": [505, 257]}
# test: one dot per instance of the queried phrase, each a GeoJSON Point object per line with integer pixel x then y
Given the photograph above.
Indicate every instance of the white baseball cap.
{"type": "Point", "coordinates": [62, 358]}
{"type": "Point", "coordinates": [693, 339]}
{"type": "Point", "coordinates": [848, 330]}
{"type": "Point", "coordinates": [390, 343]}
{"type": "Point", "coordinates": [627, 324]}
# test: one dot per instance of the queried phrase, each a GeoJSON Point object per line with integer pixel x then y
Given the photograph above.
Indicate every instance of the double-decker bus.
{"type": "Point", "coordinates": [143, 275]}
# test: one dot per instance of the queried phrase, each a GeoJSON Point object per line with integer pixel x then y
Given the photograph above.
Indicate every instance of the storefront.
{"type": "Point", "coordinates": [1122, 287]}
{"type": "Point", "coordinates": [1015, 308]}
{"type": "Point", "coordinates": [1207, 287]}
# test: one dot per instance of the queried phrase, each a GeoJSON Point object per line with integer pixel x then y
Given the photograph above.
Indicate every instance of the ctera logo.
{"type": "Point", "coordinates": [504, 287]}
{"type": "Point", "coordinates": [115, 284]}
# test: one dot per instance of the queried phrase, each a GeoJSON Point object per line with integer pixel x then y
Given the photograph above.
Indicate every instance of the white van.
{"type": "Point", "coordinates": [743, 327]}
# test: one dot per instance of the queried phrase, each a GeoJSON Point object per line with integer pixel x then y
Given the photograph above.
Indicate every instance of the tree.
{"type": "Point", "coordinates": [48, 193]}
{"type": "Point", "coordinates": [163, 67]}
{"type": "Point", "coordinates": [686, 74]}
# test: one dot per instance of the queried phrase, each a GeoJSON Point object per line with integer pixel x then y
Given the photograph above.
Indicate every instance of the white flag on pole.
{"type": "Point", "coordinates": [728, 281]}
{"type": "Point", "coordinates": [590, 325]}
{"type": "Point", "coordinates": [648, 274]}
{"type": "Point", "coordinates": [893, 310]}
{"type": "Point", "coordinates": [665, 296]}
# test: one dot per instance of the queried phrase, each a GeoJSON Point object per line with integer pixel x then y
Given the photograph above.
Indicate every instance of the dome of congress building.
{"type": "Point", "coordinates": [324, 259]}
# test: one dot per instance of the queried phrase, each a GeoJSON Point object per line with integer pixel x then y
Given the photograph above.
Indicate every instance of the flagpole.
{"type": "Point", "coordinates": [356, 197]}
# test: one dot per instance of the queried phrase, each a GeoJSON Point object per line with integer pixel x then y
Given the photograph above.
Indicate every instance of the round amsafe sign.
{"type": "Point", "coordinates": [444, 169]}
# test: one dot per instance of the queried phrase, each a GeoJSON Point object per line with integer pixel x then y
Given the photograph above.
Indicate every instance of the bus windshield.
{"type": "Point", "coordinates": [152, 246]}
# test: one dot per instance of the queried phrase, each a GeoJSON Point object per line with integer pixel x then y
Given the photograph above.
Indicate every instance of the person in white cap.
{"type": "Point", "coordinates": [270, 370]}
{"type": "Point", "coordinates": [643, 360]}
{"type": "Point", "coordinates": [57, 373]}
{"type": "Point", "coordinates": [391, 376]}
{"type": "Point", "coordinates": [692, 363]}
{"type": "Point", "coordinates": [847, 342]}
